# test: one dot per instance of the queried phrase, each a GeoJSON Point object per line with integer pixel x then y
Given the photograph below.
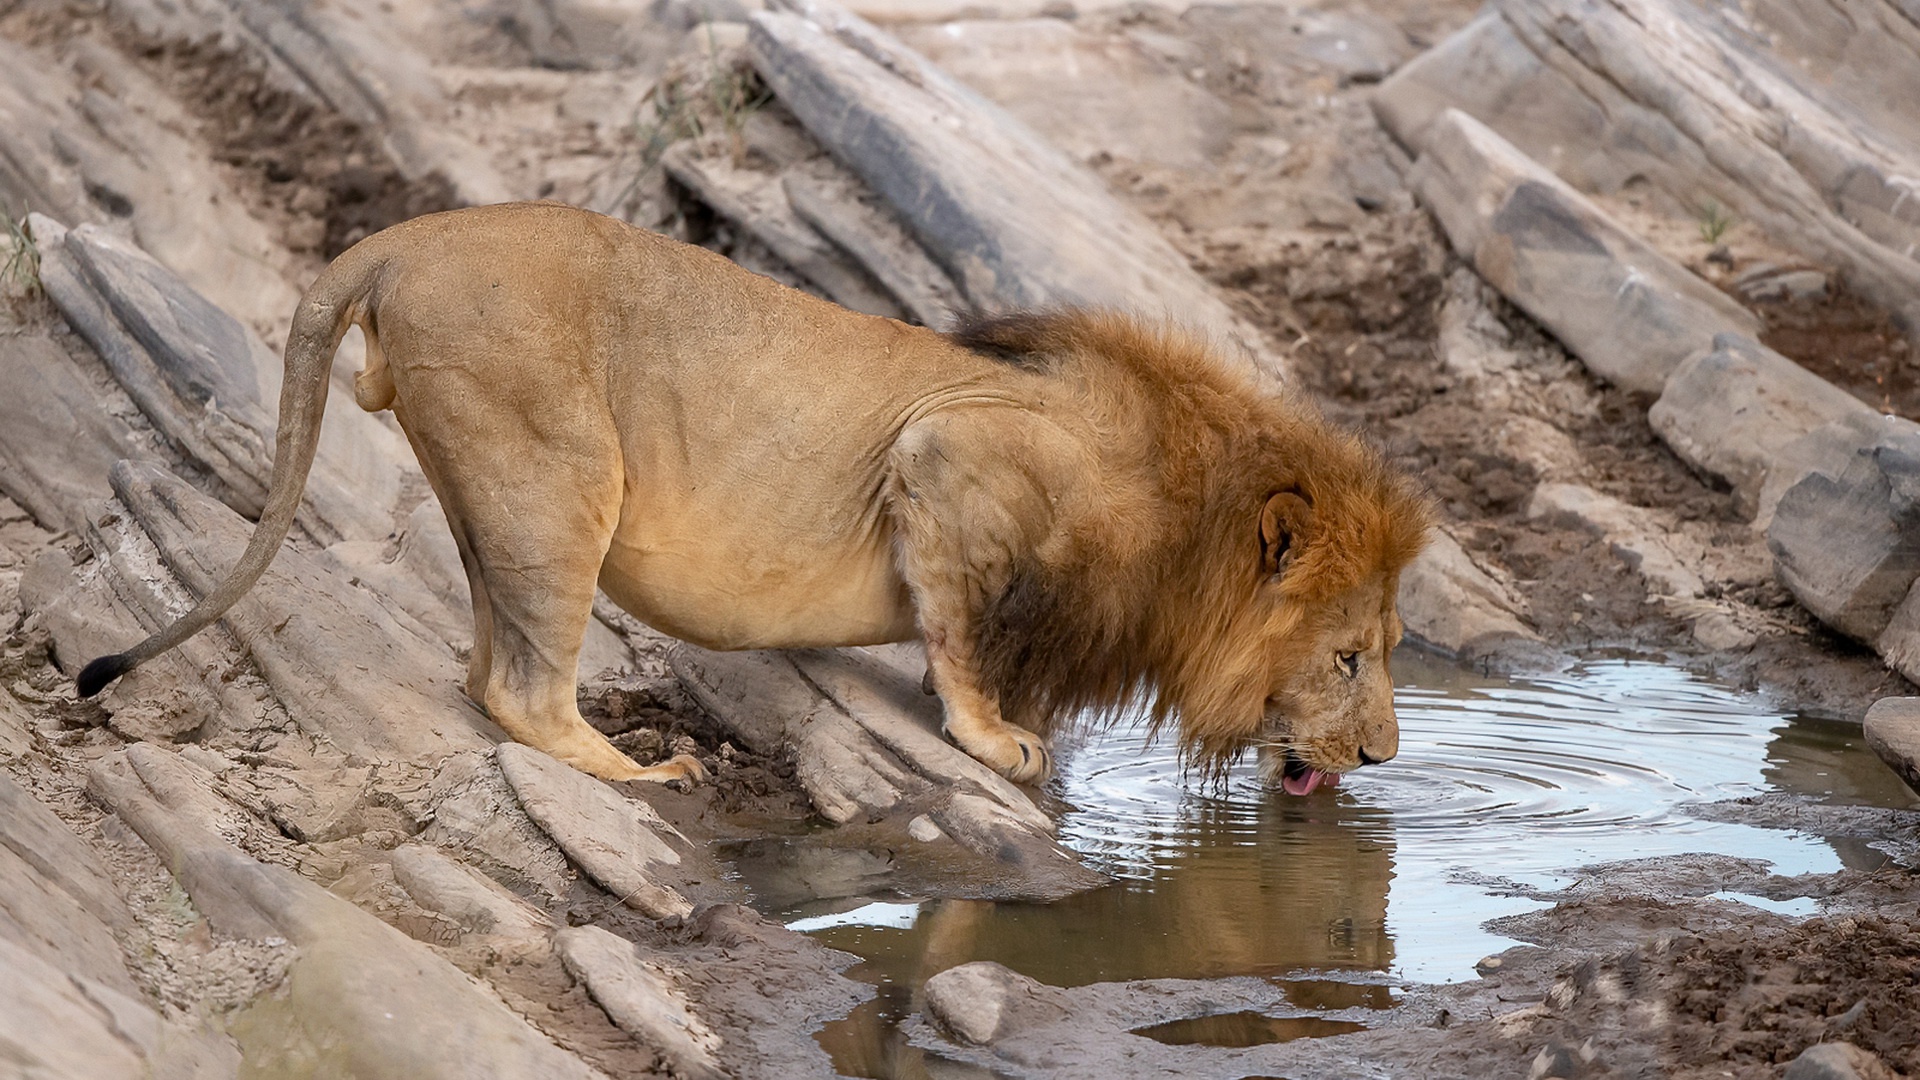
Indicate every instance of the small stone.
{"type": "Point", "coordinates": [1837, 1061]}
{"type": "Point", "coordinates": [1767, 284]}
{"type": "Point", "coordinates": [979, 1003]}
{"type": "Point", "coordinates": [1559, 1061]}
{"type": "Point", "coordinates": [1721, 255]}
{"type": "Point", "coordinates": [1717, 631]}
{"type": "Point", "coordinates": [924, 830]}
{"type": "Point", "coordinates": [1489, 964]}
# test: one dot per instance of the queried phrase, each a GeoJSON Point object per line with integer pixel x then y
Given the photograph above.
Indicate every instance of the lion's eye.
{"type": "Point", "coordinates": [1349, 663]}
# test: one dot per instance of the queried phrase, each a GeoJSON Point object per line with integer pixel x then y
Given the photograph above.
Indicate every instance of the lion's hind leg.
{"type": "Point", "coordinates": [533, 555]}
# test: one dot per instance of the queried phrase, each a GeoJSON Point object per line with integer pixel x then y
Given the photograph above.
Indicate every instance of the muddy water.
{"type": "Point", "coordinates": [1498, 783]}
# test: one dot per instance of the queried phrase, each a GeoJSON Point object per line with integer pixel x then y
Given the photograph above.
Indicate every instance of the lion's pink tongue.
{"type": "Point", "coordinates": [1306, 785]}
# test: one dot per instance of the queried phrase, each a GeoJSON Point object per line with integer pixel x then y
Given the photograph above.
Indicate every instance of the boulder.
{"type": "Point", "coordinates": [840, 207]}
{"type": "Point", "coordinates": [49, 402]}
{"type": "Point", "coordinates": [1732, 410]}
{"type": "Point", "coordinates": [476, 903]}
{"type": "Point", "coordinates": [757, 203]}
{"type": "Point", "coordinates": [1452, 606]}
{"type": "Point", "coordinates": [1707, 104]}
{"type": "Point", "coordinates": [980, 1003]}
{"type": "Point", "coordinates": [1009, 217]}
{"type": "Point", "coordinates": [56, 899]}
{"type": "Point", "coordinates": [997, 1019]}
{"type": "Point", "coordinates": [359, 997]}
{"type": "Point", "coordinates": [1893, 731]}
{"type": "Point", "coordinates": [1846, 539]}
{"type": "Point", "coordinates": [1628, 312]}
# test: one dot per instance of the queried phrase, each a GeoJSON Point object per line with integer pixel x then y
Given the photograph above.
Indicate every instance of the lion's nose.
{"type": "Point", "coordinates": [1382, 743]}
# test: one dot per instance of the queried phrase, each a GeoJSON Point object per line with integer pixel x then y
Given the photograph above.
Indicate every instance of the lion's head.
{"type": "Point", "coordinates": [1243, 580]}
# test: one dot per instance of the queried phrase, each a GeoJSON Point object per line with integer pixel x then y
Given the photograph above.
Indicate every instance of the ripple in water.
{"type": "Point", "coordinates": [1394, 871]}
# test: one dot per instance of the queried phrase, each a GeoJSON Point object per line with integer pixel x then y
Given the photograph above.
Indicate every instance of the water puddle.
{"type": "Point", "coordinates": [1240, 1029]}
{"type": "Point", "coordinates": [1500, 786]}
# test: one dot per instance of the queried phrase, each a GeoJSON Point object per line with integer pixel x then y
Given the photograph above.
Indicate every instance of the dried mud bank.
{"type": "Point", "coordinates": [293, 843]}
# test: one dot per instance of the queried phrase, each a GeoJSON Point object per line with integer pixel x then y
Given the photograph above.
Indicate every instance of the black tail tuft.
{"type": "Point", "coordinates": [95, 676]}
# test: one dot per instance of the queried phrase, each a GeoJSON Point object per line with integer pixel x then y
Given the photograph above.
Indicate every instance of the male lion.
{"type": "Point", "coordinates": [1071, 510]}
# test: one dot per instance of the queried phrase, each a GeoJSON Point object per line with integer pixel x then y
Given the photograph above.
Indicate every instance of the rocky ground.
{"type": "Point", "coordinates": [254, 853]}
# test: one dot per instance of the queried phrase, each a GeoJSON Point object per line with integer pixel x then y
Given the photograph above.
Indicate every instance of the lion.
{"type": "Point", "coordinates": [1073, 510]}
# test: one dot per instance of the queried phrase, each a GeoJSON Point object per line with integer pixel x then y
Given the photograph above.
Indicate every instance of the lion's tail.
{"type": "Point", "coordinates": [337, 299]}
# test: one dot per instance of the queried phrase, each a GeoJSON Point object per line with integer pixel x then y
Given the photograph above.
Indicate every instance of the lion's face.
{"type": "Point", "coordinates": [1329, 709]}
{"type": "Point", "coordinates": [1329, 703]}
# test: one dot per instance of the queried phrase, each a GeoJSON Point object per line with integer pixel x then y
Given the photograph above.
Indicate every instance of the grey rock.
{"type": "Point", "coordinates": [438, 883]}
{"type": "Point", "coordinates": [1630, 314]}
{"type": "Point", "coordinates": [474, 811]}
{"type": "Point", "coordinates": [60, 1024]}
{"type": "Point", "coordinates": [347, 58]}
{"type": "Point", "coordinates": [1846, 541]}
{"type": "Point", "coordinates": [106, 143]}
{"type": "Point", "coordinates": [924, 830]}
{"type": "Point", "coordinates": [1837, 1061]}
{"type": "Point", "coordinates": [1453, 606]}
{"type": "Point", "coordinates": [1775, 286]}
{"type": "Point", "coordinates": [643, 999]}
{"type": "Point", "coordinates": [1731, 412]}
{"type": "Point", "coordinates": [620, 842]}
{"type": "Point", "coordinates": [343, 667]}
{"type": "Point", "coordinates": [202, 378]}
{"type": "Point", "coordinates": [55, 897]}
{"type": "Point", "coordinates": [49, 404]}
{"type": "Point", "coordinates": [756, 202]}
{"type": "Point", "coordinates": [880, 688]}
{"type": "Point", "coordinates": [1704, 102]}
{"type": "Point", "coordinates": [1011, 220]}
{"type": "Point", "coordinates": [838, 205]}
{"type": "Point", "coordinates": [162, 699]}
{"type": "Point", "coordinates": [1720, 632]}
{"type": "Point", "coordinates": [987, 1016]}
{"type": "Point", "coordinates": [981, 1002]}
{"type": "Point", "coordinates": [1893, 731]}
{"type": "Point", "coordinates": [360, 998]}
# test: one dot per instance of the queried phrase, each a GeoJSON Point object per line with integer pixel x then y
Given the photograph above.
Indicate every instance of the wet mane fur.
{"type": "Point", "coordinates": [1156, 594]}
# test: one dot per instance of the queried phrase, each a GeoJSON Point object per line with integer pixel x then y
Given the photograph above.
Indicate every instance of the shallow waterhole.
{"type": "Point", "coordinates": [1388, 877]}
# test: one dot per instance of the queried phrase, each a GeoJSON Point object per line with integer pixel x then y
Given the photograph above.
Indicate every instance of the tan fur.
{"type": "Point", "coordinates": [1072, 510]}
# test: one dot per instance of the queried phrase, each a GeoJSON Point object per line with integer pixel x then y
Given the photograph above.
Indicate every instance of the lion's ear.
{"type": "Point", "coordinates": [1284, 524]}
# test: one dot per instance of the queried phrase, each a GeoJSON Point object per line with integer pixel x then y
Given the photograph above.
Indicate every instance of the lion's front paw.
{"type": "Point", "coordinates": [1010, 750]}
